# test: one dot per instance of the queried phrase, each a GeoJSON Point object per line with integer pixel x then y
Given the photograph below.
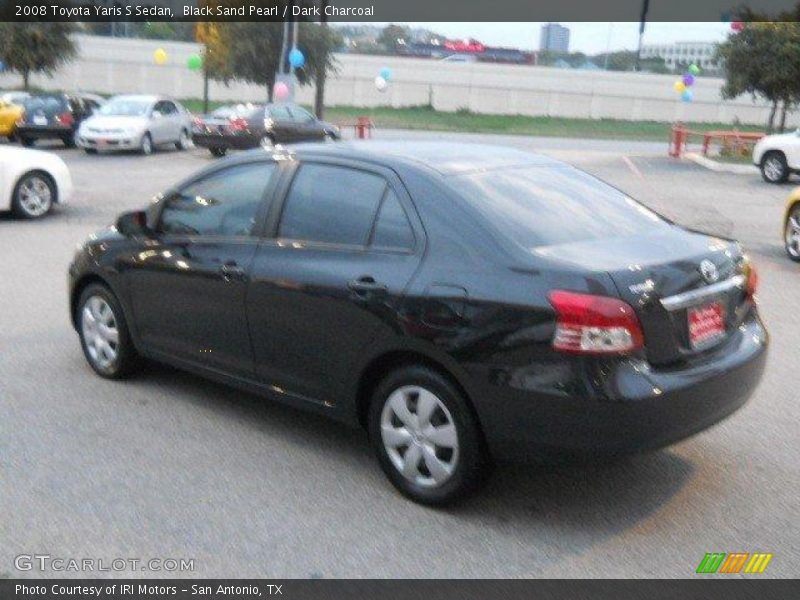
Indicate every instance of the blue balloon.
{"type": "Point", "coordinates": [687, 96]}
{"type": "Point", "coordinates": [2, 66]}
{"type": "Point", "coordinates": [296, 58]}
{"type": "Point", "coordinates": [386, 73]}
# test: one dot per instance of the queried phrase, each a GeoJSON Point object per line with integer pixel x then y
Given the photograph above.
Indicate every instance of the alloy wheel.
{"type": "Point", "coordinates": [792, 234]}
{"type": "Point", "coordinates": [773, 168]}
{"type": "Point", "coordinates": [100, 332]}
{"type": "Point", "coordinates": [35, 196]}
{"type": "Point", "coordinates": [419, 436]}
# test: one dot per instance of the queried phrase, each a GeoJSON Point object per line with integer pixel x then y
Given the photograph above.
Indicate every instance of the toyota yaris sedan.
{"type": "Point", "coordinates": [462, 303]}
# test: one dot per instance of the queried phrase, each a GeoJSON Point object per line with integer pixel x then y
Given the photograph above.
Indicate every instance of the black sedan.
{"type": "Point", "coordinates": [249, 126]}
{"type": "Point", "coordinates": [55, 116]}
{"type": "Point", "coordinates": [460, 302]}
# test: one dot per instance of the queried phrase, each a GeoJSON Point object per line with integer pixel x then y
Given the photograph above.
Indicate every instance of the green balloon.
{"type": "Point", "coordinates": [195, 62]}
{"type": "Point", "coordinates": [694, 69]}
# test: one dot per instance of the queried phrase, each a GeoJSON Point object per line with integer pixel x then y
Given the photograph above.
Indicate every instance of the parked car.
{"type": "Point", "coordinates": [32, 181]}
{"type": "Point", "coordinates": [778, 156]}
{"type": "Point", "coordinates": [55, 116]}
{"type": "Point", "coordinates": [140, 123]}
{"type": "Point", "coordinates": [10, 113]}
{"type": "Point", "coordinates": [791, 225]}
{"type": "Point", "coordinates": [14, 97]}
{"type": "Point", "coordinates": [248, 126]}
{"type": "Point", "coordinates": [459, 301]}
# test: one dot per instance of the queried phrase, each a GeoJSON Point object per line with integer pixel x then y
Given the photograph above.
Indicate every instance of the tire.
{"type": "Point", "coordinates": [90, 150]}
{"type": "Point", "coordinates": [452, 440]}
{"type": "Point", "coordinates": [791, 233]}
{"type": "Point", "coordinates": [69, 141]}
{"type": "Point", "coordinates": [183, 141]}
{"type": "Point", "coordinates": [34, 195]}
{"type": "Point", "coordinates": [26, 141]}
{"type": "Point", "coordinates": [146, 145]}
{"type": "Point", "coordinates": [266, 141]}
{"type": "Point", "coordinates": [774, 168]}
{"type": "Point", "coordinates": [218, 151]}
{"type": "Point", "coordinates": [100, 322]}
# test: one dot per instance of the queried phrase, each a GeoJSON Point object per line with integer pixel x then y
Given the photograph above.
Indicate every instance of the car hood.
{"type": "Point", "coordinates": [115, 122]}
{"type": "Point", "coordinates": [25, 155]}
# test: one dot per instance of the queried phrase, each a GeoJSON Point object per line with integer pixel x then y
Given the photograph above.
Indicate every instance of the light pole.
{"type": "Point", "coordinates": [642, 23]}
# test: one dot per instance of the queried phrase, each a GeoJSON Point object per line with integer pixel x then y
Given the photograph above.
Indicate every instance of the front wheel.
{"type": "Point", "coordinates": [146, 145]}
{"type": "Point", "coordinates": [104, 334]}
{"type": "Point", "coordinates": [426, 436]}
{"type": "Point", "coordinates": [26, 141]}
{"type": "Point", "coordinates": [774, 168]}
{"type": "Point", "coordinates": [218, 151]}
{"type": "Point", "coordinates": [791, 235]}
{"type": "Point", "coordinates": [34, 195]}
{"type": "Point", "coordinates": [183, 140]}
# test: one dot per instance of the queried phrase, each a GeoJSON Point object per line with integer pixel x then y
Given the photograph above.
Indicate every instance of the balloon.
{"type": "Point", "coordinates": [381, 84]}
{"type": "Point", "coordinates": [281, 91]}
{"type": "Point", "coordinates": [160, 56]}
{"type": "Point", "coordinates": [679, 86]}
{"type": "Point", "coordinates": [195, 62]}
{"type": "Point", "coordinates": [737, 25]}
{"type": "Point", "coordinates": [386, 73]}
{"type": "Point", "coordinates": [687, 96]}
{"type": "Point", "coordinates": [2, 66]}
{"type": "Point", "coordinates": [694, 69]}
{"type": "Point", "coordinates": [688, 79]}
{"type": "Point", "coordinates": [296, 58]}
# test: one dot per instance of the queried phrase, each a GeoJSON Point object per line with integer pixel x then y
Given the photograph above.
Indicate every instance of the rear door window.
{"type": "Point", "coordinates": [225, 203]}
{"type": "Point", "coordinates": [392, 229]}
{"type": "Point", "coordinates": [331, 204]}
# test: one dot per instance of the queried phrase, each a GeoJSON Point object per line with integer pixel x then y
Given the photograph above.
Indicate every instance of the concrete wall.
{"type": "Point", "coordinates": [110, 66]}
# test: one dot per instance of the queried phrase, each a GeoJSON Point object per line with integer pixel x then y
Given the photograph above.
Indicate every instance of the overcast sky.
{"type": "Point", "coordinates": [590, 38]}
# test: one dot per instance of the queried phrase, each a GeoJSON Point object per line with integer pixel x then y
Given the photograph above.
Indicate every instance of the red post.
{"type": "Point", "coordinates": [678, 141]}
{"type": "Point", "coordinates": [364, 127]}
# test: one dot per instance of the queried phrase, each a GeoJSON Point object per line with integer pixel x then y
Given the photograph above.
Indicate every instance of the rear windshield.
{"type": "Point", "coordinates": [45, 103]}
{"type": "Point", "coordinates": [536, 206]}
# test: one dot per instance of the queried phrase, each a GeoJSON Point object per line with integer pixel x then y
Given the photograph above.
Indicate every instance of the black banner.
{"type": "Point", "coordinates": [395, 10]}
{"type": "Point", "coordinates": [327, 589]}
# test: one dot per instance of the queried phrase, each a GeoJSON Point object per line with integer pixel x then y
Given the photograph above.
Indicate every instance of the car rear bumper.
{"type": "Point", "coordinates": [588, 407]}
{"type": "Point", "coordinates": [236, 142]}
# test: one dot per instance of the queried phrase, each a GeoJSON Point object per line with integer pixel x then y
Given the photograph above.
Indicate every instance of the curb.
{"type": "Point", "coordinates": [720, 167]}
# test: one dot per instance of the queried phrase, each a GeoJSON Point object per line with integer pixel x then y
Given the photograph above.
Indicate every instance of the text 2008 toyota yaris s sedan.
{"type": "Point", "coordinates": [460, 302]}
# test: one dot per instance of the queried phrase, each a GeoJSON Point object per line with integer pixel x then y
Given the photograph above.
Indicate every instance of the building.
{"type": "Point", "coordinates": [681, 54]}
{"type": "Point", "coordinates": [554, 38]}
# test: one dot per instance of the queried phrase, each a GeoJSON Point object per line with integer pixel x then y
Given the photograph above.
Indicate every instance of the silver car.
{"type": "Point", "coordinates": [136, 123]}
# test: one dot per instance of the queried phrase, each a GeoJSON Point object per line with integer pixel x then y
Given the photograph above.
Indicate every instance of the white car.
{"type": "Point", "coordinates": [136, 123]}
{"type": "Point", "coordinates": [777, 156]}
{"type": "Point", "coordinates": [32, 181]}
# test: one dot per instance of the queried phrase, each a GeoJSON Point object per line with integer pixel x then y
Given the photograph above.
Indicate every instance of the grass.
{"type": "Point", "coordinates": [428, 119]}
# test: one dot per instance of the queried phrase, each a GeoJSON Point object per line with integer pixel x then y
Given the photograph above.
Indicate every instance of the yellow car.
{"type": "Point", "coordinates": [791, 225]}
{"type": "Point", "coordinates": [9, 115]}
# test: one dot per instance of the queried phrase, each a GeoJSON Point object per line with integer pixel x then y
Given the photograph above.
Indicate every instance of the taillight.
{"type": "Point", "coordinates": [238, 124]}
{"type": "Point", "coordinates": [197, 122]}
{"type": "Point", "coordinates": [588, 324]}
{"type": "Point", "coordinates": [65, 118]}
{"type": "Point", "coordinates": [752, 282]}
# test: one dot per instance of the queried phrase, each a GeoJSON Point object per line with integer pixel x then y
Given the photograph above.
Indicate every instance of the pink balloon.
{"type": "Point", "coordinates": [280, 91]}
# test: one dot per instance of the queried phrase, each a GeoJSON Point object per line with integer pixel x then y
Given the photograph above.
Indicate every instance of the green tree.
{"type": "Point", "coordinates": [28, 48]}
{"type": "Point", "coordinates": [393, 36]}
{"type": "Point", "coordinates": [763, 60]}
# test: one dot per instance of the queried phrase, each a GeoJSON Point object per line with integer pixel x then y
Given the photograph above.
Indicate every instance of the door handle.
{"type": "Point", "coordinates": [231, 272]}
{"type": "Point", "coordinates": [366, 285]}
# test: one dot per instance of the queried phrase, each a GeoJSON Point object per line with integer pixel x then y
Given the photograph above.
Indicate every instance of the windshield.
{"type": "Point", "coordinates": [124, 107]}
{"type": "Point", "coordinates": [228, 112]}
{"type": "Point", "coordinates": [45, 103]}
{"type": "Point", "coordinates": [536, 206]}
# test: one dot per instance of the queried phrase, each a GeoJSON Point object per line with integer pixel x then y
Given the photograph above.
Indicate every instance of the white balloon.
{"type": "Point", "coordinates": [381, 84]}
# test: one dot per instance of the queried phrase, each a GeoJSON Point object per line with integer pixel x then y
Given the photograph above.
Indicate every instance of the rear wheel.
{"type": "Point", "coordinates": [26, 141]}
{"type": "Point", "coordinates": [146, 145]}
{"type": "Point", "coordinates": [774, 168]}
{"type": "Point", "coordinates": [34, 195]}
{"type": "Point", "coordinates": [426, 437]}
{"type": "Point", "coordinates": [69, 140]}
{"type": "Point", "coordinates": [791, 235]}
{"type": "Point", "coordinates": [183, 140]}
{"type": "Point", "coordinates": [90, 150]}
{"type": "Point", "coordinates": [218, 151]}
{"type": "Point", "coordinates": [266, 141]}
{"type": "Point", "coordinates": [104, 334]}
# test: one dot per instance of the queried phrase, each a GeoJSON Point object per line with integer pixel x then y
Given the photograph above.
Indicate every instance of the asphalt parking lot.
{"type": "Point", "coordinates": [168, 465]}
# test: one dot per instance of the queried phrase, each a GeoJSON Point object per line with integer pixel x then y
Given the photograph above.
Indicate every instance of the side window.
{"type": "Point", "coordinates": [224, 203]}
{"type": "Point", "coordinates": [392, 229]}
{"type": "Point", "coordinates": [169, 108]}
{"type": "Point", "coordinates": [336, 205]}
{"type": "Point", "coordinates": [280, 113]}
{"type": "Point", "coordinates": [300, 115]}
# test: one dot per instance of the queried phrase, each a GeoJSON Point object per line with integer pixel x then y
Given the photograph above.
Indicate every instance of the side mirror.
{"type": "Point", "coordinates": [132, 223]}
{"type": "Point", "coordinates": [157, 114]}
